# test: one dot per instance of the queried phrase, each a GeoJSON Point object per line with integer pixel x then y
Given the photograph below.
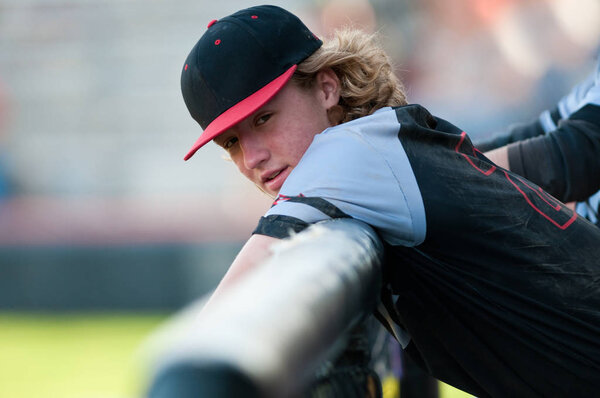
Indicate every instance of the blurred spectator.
{"type": "Point", "coordinates": [99, 68]}
{"type": "Point", "coordinates": [6, 184]}
{"type": "Point", "coordinates": [482, 63]}
{"type": "Point", "coordinates": [337, 14]}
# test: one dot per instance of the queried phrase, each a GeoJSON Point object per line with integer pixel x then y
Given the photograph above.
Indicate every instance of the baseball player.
{"type": "Point", "coordinates": [493, 283]}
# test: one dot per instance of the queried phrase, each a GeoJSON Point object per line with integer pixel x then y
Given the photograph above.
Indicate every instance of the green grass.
{"type": "Point", "coordinates": [447, 391]}
{"type": "Point", "coordinates": [72, 356]}
{"type": "Point", "coordinates": [81, 355]}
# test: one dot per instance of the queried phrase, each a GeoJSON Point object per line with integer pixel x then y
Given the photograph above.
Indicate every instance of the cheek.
{"type": "Point", "coordinates": [297, 140]}
{"type": "Point", "coordinates": [290, 149]}
{"type": "Point", "coordinates": [306, 129]}
{"type": "Point", "coordinates": [239, 163]}
{"type": "Point", "coordinates": [301, 142]}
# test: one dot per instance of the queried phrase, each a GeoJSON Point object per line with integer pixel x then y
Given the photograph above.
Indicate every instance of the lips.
{"type": "Point", "coordinates": [274, 175]}
{"type": "Point", "coordinates": [274, 179]}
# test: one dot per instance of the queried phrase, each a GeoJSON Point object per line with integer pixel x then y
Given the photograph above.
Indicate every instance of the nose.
{"type": "Point", "coordinates": [254, 149]}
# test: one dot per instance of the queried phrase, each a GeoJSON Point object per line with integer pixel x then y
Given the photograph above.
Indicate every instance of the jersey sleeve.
{"type": "Point", "coordinates": [515, 132]}
{"type": "Point", "coordinates": [347, 172]}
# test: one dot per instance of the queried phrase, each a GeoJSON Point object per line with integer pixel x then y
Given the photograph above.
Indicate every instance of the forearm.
{"type": "Point", "coordinates": [499, 156]}
{"type": "Point", "coordinates": [565, 162]}
{"type": "Point", "coordinates": [585, 92]}
{"type": "Point", "coordinates": [514, 133]}
{"type": "Point", "coordinates": [256, 250]}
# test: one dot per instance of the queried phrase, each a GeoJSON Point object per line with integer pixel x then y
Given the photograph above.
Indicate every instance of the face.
{"type": "Point", "coordinates": [268, 144]}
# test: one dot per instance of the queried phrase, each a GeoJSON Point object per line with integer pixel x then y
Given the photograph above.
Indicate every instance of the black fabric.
{"type": "Point", "coordinates": [350, 374]}
{"type": "Point", "coordinates": [516, 132]}
{"type": "Point", "coordinates": [416, 383]}
{"type": "Point", "coordinates": [318, 203]}
{"type": "Point", "coordinates": [279, 226]}
{"type": "Point", "coordinates": [502, 298]}
{"type": "Point", "coordinates": [564, 162]}
{"type": "Point", "coordinates": [555, 115]}
{"type": "Point", "coordinates": [282, 226]}
{"type": "Point", "coordinates": [589, 113]}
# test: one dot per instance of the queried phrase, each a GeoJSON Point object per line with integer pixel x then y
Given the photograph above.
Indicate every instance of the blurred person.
{"type": "Point", "coordinates": [6, 185]}
{"type": "Point", "coordinates": [563, 159]}
{"type": "Point", "coordinates": [487, 278]}
{"type": "Point", "coordinates": [508, 49]}
{"type": "Point", "coordinates": [340, 14]}
{"type": "Point", "coordinates": [6, 180]}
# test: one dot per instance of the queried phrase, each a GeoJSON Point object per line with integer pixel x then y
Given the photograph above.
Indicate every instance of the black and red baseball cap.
{"type": "Point", "coordinates": [239, 64]}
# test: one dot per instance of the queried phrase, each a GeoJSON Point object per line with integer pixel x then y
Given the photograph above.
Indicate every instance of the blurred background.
{"type": "Point", "coordinates": [105, 231]}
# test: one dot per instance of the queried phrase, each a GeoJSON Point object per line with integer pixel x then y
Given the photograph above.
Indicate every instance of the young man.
{"type": "Point", "coordinates": [494, 280]}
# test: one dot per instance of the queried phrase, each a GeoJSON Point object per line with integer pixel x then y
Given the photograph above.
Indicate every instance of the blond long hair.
{"type": "Point", "coordinates": [365, 71]}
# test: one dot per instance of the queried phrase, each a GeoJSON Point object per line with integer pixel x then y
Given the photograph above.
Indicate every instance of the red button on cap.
{"type": "Point", "coordinates": [211, 23]}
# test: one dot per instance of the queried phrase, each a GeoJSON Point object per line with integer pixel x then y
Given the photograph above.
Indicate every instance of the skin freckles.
{"type": "Point", "coordinates": [268, 144]}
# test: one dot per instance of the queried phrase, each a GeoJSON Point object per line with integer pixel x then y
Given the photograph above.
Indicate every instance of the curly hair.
{"type": "Point", "coordinates": [365, 71]}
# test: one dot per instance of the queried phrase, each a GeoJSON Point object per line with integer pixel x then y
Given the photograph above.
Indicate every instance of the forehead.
{"type": "Point", "coordinates": [287, 99]}
{"type": "Point", "coordinates": [289, 95]}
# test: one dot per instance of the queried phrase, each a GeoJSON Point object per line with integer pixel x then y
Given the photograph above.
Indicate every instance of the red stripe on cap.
{"type": "Point", "coordinates": [211, 23]}
{"type": "Point", "coordinates": [241, 110]}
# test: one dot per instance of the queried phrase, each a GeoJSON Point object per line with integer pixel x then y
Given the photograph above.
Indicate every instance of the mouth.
{"type": "Point", "coordinates": [275, 179]}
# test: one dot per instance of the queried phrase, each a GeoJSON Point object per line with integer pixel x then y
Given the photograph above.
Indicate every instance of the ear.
{"type": "Point", "coordinates": [329, 88]}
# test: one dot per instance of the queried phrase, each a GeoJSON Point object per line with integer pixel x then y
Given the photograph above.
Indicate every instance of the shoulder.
{"type": "Point", "coordinates": [339, 158]}
{"type": "Point", "coordinates": [358, 169]}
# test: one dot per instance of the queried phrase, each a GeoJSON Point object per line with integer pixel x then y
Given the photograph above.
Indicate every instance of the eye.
{"type": "Point", "coordinates": [262, 119]}
{"type": "Point", "coordinates": [229, 143]}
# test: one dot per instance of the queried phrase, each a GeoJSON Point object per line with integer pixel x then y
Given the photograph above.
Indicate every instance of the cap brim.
{"type": "Point", "coordinates": [241, 110]}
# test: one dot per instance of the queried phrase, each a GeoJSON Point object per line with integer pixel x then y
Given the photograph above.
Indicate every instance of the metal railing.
{"type": "Point", "coordinates": [269, 333]}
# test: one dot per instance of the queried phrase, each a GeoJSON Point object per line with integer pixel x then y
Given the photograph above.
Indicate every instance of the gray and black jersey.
{"type": "Point", "coordinates": [496, 282]}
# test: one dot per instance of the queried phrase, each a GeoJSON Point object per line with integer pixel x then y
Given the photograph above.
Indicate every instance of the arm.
{"type": "Point", "coordinates": [562, 157]}
{"type": "Point", "coordinates": [565, 162]}
{"type": "Point", "coordinates": [255, 251]}
{"type": "Point", "coordinates": [548, 120]}
{"type": "Point", "coordinates": [514, 133]}
{"type": "Point", "coordinates": [499, 156]}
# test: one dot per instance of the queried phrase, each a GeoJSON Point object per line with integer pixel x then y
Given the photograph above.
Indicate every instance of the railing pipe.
{"type": "Point", "coordinates": [272, 329]}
